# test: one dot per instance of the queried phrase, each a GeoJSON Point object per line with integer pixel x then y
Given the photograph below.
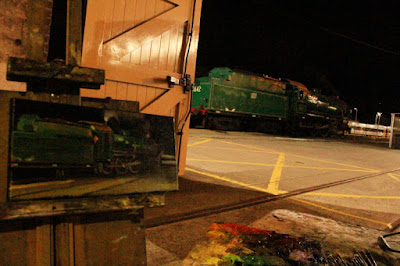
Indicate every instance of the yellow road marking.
{"type": "Point", "coordinates": [334, 195]}
{"type": "Point", "coordinates": [199, 142]}
{"type": "Point", "coordinates": [32, 185]}
{"type": "Point", "coordinates": [232, 149]}
{"type": "Point", "coordinates": [332, 162]}
{"type": "Point", "coordinates": [331, 168]}
{"type": "Point", "coordinates": [291, 166]}
{"type": "Point", "coordinates": [300, 156]}
{"type": "Point", "coordinates": [227, 180]}
{"type": "Point", "coordinates": [229, 162]}
{"type": "Point", "coordinates": [274, 185]}
{"type": "Point", "coordinates": [389, 225]}
{"type": "Point", "coordinates": [394, 177]}
{"type": "Point", "coordinates": [276, 174]}
{"type": "Point", "coordinates": [248, 146]}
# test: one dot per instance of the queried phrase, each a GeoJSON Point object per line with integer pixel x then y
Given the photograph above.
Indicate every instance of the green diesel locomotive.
{"type": "Point", "coordinates": [56, 143]}
{"type": "Point", "coordinates": [233, 100]}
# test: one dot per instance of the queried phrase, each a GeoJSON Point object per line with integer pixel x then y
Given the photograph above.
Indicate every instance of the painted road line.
{"type": "Point", "coordinates": [331, 168]}
{"type": "Point", "coordinates": [307, 167]}
{"type": "Point", "coordinates": [227, 180]}
{"type": "Point", "coordinates": [389, 225]}
{"type": "Point", "coordinates": [333, 162]}
{"type": "Point", "coordinates": [41, 184]}
{"type": "Point", "coordinates": [232, 149]}
{"type": "Point", "coordinates": [273, 184]}
{"type": "Point", "coordinates": [290, 166]}
{"type": "Point", "coordinates": [248, 146]}
{"type": "Point", "coordinates": [394, 177]}
{"type": "Point", "coordinates": [293, 198]}
{"type": "Point", "coordinates": [334, 195]}
{"type": "Point", "coordinates": [199, 142]}
{"type": "Point", "coordinates": [300, 156]}
{"type": "Point", "coordinates": [228, 162]}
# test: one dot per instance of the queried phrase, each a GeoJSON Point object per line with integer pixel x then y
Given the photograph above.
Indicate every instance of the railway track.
{"type": "Point", "coordinates": [256, 201]}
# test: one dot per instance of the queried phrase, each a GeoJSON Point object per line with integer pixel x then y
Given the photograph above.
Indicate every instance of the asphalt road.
{"type": "Point", "coordinates": [280, 165]}
{"type": "Point", "coordinates": [232, 167]}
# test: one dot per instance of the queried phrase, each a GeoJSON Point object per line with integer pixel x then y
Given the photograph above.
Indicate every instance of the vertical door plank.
{"type": "Point", "coordinates": [44, 244]}
{"type": "Point", "coordinates": [135, 56]}
{"type": "Point", "coordinates": [160, 7]}
{"type": "Point", "coordinates": [126, 58]}
{"type": "Point", "coordinates": [145, 55]}
{"type": "Point", "coordinates": [155, 52]}
{"type": "Point", "coordinates": [141, 95]}
{"type": "Point", "coordinates": [159, 92]}
{"type": "Point", "coordinates": [64, 244]}
{"type": "Point", "coordinates": [101, 93]}
{"type": "Point", "coordinates": [122, 91]}
{"type": "Point", "coordinates": [140, 11]}
{"type": "Point", "coordinates": [109, 12]}
{"type": "Point", "coordinates": [150, 92]}
{"type": "Point", "coordinates": [132, 92]}
{"type": "Point", "coordinates": [118, 242]}
{"type": "Point", "coordinates": [172, 50]}
{"type": "Point", "coordinates": [164, 47]}
{"type": "Point", "coordinates": [111, 89]}
{"type": "Point", "coordinates": [177, 120]}
{"type": "Point", "coordinates": [150, 9]}
{"type": "Point", "coordinates": [180, 49]}
{"type": "Point", "coordinates": [129, 15]}
{"type": "Point", "coordinates": [118, 17]}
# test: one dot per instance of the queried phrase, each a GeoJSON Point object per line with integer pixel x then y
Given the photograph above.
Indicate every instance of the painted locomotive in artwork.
{"type": "Point", "coordinates": [238, 100]}
{"type": "Point", "coordinates": [85, 137]}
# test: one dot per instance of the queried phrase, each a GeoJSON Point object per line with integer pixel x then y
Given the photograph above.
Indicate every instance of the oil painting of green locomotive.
{"type": "Point", "coordinates": [101, 142]}
{"type": "Point", "coordinates": [237, 100]}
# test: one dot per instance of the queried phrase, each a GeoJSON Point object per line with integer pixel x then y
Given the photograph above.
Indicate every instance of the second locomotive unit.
{"type": "Point", "coordinates": [228, 99]}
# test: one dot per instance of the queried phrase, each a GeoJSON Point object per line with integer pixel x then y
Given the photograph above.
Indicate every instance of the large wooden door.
{"type": "Point", "coordinates": [139, 43]}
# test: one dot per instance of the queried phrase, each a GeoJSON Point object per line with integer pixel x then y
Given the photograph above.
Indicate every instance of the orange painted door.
{"type": "Point", "coordinates": [139, 43]}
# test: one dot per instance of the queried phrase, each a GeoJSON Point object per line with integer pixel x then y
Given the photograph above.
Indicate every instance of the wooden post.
{"type": "Point", "coordinates": [74, 32]}
{"type": "Point", "coordinates": [38, 19]}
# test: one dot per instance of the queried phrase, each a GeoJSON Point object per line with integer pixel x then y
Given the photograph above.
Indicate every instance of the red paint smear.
{"type": "Point", "coordinates": [236, 229]}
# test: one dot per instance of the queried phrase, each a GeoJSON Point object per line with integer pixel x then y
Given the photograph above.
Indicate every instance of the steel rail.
{"type": "Point", "coordinates": [252, 202]}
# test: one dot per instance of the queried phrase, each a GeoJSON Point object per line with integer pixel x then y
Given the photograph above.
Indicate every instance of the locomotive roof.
{"type": "Point", "coordinates": [218, 72]}
{"type": "Point", "coordinates": [98, 126]}
{"type": "Point", "coordinates": [299, 85]}
{"type": "Point", "coordinates": [226, 71]}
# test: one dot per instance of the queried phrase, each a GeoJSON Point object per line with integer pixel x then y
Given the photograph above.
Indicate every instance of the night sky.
{"type": "Point", "coordinates": [346, 48]}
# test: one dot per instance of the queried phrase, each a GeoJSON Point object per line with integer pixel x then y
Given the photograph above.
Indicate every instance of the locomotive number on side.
{"type": "Point", "coordinates": [196, 88]}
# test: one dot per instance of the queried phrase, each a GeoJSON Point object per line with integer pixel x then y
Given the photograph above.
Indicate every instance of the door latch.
{"type": "Point", "coordinates": [185, 82]}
